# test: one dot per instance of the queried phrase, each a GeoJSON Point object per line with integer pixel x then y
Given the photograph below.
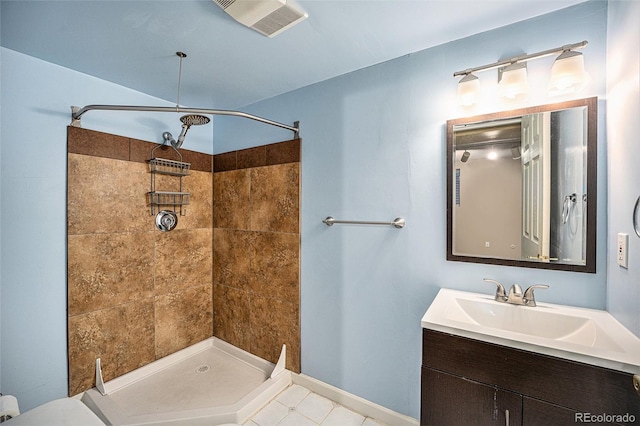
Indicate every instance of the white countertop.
{"type": "Point", "coordinates": [585, 335]}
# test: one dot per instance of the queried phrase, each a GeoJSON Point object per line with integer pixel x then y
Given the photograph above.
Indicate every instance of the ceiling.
{"type": "Point", "coordinates": [134, 43]}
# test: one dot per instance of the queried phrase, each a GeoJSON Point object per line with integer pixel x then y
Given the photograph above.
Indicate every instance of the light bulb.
{"type": "Point", "coordinates": [468, 89]}
{"type": "Point", "coordinates": [568, 74]}
{"type": "Point", "coordinates": [513, 83]}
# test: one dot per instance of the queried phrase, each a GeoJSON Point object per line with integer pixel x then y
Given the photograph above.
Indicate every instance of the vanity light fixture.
{"type": "Point", "coordinates": [468, 90]}
{"type": "Point", "coordinates": [512, 81]}
{"type": "Point", "coordinates": [568, 74]}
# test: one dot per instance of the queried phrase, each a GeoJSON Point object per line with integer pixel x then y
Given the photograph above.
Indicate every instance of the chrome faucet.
{"type": "Point", "coordinates": [516, 296]}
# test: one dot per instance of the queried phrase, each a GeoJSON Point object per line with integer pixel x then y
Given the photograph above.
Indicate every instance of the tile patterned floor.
{"type": "Point", "coordinates": [298, 406]}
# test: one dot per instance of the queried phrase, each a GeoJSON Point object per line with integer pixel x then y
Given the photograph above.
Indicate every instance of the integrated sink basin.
{"type": "Point", "coordinates": [542, 322]}
{"type": "Point", "coordinates": [585, 335]}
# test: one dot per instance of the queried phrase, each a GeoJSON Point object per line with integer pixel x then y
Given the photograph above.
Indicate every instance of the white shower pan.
{"type": "Point", "coordinates": [211, 382]}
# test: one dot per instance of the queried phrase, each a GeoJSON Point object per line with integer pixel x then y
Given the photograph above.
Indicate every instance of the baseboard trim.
{"type": "Point", "coordinates": [353, 402]}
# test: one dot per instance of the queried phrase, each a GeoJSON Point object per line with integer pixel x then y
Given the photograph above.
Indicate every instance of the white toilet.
{"type": "Point", "coordinates": [59, 412]}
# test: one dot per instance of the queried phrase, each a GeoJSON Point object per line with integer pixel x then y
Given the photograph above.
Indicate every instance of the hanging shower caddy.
{"type": "Point", "coordinates": [170, 199]}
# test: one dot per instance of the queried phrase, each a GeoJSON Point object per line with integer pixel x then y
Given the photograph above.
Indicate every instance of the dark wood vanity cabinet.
{"type": "Point", "coordinates": [470, 382]}
{"type": "Point", "coordinates": [454, 400]}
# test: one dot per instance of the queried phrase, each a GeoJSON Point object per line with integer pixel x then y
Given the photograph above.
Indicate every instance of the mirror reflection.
{"type": "Point", "coordinates": [522, 187]}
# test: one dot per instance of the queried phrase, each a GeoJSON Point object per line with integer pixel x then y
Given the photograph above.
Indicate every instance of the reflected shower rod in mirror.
{"type": "Point", "coordinates": [77, 113]}
{"type": "Point", "coordinates": [396, 223]}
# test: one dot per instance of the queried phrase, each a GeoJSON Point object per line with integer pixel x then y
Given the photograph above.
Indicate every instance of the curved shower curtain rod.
{"type": "Point", "coordinates": [76, 113]}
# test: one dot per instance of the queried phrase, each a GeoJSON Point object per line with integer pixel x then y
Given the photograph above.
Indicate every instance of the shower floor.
{"type": "Point", "coordinates": [210, 382]}
{"type": "Point", "coordinates": [210, 378]}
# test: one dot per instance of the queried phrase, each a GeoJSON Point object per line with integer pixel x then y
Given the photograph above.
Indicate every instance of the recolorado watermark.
{"type": "Point", "coordinates": [604, 418]}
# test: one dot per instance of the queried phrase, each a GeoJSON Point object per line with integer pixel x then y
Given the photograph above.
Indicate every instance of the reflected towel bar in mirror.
{"type": "Point", "coordinates": [397, 222]}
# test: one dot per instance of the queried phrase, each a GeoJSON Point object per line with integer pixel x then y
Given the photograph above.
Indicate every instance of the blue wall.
{"type": "Point", "coordinates": [36, 101]}
{"type": "Point", "coordinates": [623, 110]}
{"type": "Point", "coordinates": [374, 149]}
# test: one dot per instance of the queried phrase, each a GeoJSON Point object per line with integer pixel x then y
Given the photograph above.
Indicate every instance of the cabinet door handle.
{"type": "Point", "coordinates": [636, 383]}
{"type": "Point", "coordinates": [506, 417]}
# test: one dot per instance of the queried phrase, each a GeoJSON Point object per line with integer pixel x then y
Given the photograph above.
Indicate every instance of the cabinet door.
{"type": "Point", "coordinates": [536, 412]}
{"type": "Point", "coordinates": [453, 400]}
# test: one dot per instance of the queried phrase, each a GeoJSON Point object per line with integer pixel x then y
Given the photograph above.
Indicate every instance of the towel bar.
{"type": "Point", "coordinates": [396, 223]}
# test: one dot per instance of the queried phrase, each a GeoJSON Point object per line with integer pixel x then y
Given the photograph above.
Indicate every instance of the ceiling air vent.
{"type": "Point", "coordinates": [268, 17]}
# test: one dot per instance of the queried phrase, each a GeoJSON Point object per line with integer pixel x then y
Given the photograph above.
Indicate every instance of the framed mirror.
{"type": "Point", "coordinates": [521, 187]}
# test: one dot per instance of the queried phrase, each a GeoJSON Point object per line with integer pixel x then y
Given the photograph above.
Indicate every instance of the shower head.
{"type": "Point", "coordinates": [465, 156]}
{"type": "Point", "coordinates": [187, 121]}
{"type": "Point", "coordinates": [194, 120]}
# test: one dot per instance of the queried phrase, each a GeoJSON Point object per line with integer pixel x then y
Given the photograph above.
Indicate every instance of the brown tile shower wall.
{"type": "Point", "coordinates": [256, 273]}
{"type": "Point", "coordinates": [134, 294]}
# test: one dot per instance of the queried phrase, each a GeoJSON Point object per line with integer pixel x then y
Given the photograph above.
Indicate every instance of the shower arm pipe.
{"type": "Point", "coordinates": [76, 113]}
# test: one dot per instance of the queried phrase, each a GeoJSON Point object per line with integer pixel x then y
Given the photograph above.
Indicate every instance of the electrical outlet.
{"type": "Point", "coordinates": [623, 247]}
{"type": "Point", "coordinates": [487, 244]}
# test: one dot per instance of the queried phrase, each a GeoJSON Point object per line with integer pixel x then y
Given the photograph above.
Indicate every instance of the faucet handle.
{"type": "Point", "coordinates": [501, 295]}
{"type": "Point", "coordinates": [528, 298]}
